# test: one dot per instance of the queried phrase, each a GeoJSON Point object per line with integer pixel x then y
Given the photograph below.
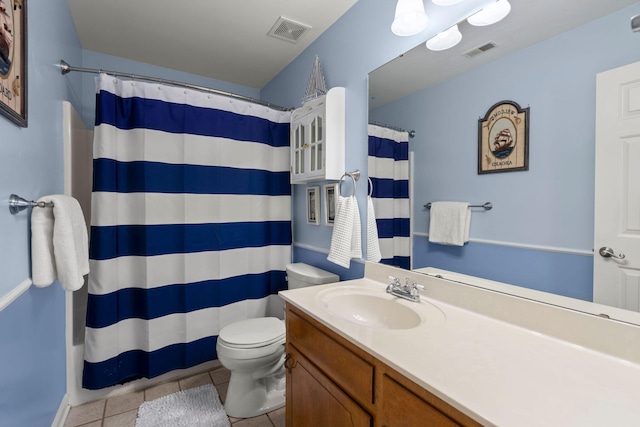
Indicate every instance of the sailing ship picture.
{"type": "Point", "coordinates": [13, 58]}
{"type": "Point", "coordinates": [6, 37]}
{"type": "Point", "coordinates": [503, 142]}
{"type": "Point", "coordinates": [503, 133]}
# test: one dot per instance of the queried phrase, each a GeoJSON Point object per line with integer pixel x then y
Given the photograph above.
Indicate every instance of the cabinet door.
{"type": "Point", "coordinates": [298, 146]}
{"type": "Point", "coordinates": [314, 401]}
{"type": "Point", "coordinates": [400, 407]}
{"type": "Point", "coordinates": [316, 145]}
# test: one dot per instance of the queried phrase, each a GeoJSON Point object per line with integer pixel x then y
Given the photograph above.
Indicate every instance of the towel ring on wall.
{"type": "Point", "coordinates": [17, 204]}
{"type": "Point", "coordinates": [370, 187]}
{"type": "Point", "coordinates": [355, 175]}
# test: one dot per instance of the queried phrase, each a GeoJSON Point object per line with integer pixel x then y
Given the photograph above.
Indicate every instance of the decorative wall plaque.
{"type": "Point", "coordinates": [503, 139]}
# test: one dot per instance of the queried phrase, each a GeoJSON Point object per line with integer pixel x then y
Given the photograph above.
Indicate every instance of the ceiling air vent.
{"type": "Point", "coordinates": [288, 30]}
{"type": "Point", "coordinates": [480, 49]}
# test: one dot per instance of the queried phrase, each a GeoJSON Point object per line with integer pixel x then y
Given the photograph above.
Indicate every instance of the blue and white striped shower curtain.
{"type": "Point", "coordinates": [190, 228]}
{"type": "Point", "coordinates": [388, 168]}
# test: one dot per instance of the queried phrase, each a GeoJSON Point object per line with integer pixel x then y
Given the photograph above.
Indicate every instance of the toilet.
{"type": "Point", "coordinates": [253, 350]}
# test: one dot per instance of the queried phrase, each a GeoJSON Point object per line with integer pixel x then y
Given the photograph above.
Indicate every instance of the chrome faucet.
{"type": "Point", "coordinates": [407, 291]}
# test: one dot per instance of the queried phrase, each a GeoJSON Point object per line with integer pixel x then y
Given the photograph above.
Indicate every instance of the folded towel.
{"type": "Point", "coordinates": [373, 246]}
{"type": "Point", "coordinates": [346, 237]}
{"type": "Point", "coordinates": [449, 224]}
{"type": "Point", "coordinates": [59, 243]}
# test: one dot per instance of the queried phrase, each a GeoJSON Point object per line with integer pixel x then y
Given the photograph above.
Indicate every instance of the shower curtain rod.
{"type": "Point", "coordinates": [66, 68]}
{"type": "Point", "coordinates": [412, 133]}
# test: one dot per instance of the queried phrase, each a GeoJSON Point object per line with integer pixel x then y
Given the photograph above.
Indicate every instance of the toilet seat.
{"type": "Point", "coordinates": [252, 333]}
{"type": "Point", "coordinates": [251, 338]}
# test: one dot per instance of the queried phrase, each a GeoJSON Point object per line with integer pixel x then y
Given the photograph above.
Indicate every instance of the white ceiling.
{"type": "Point", "coordinates": [221, 39]}
{"type": "Point", "coordinates": [529, 22]}
{"type": "Point", "coordinates": [227, 39]}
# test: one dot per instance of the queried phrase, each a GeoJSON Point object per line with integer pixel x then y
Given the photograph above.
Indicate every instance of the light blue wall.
{"type": "Point", "coordinates": [549, 207]}
{"type": "Point", "coordinates": [32, 353]}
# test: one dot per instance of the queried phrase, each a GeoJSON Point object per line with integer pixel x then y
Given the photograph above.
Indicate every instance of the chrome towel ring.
{"type": "Point", "coordinates": [355, 176]}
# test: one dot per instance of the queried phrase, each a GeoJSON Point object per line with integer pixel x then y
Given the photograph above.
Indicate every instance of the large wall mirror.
{"type": "Point", "coordinates": [545, 56]}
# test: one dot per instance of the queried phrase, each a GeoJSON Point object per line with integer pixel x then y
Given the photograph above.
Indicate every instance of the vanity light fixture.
{"type": "Point", "coordinates": [491, 14]}
{"type": "Point", "coordinates": [445, 40]}
{"type": "Point", "coordinates": [445, 2]}
{"type": "Point", "coordinates": [410, 18]}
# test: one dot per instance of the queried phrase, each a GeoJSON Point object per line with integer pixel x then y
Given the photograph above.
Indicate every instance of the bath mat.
{"type": "Point", "coordinates": [195, 407]}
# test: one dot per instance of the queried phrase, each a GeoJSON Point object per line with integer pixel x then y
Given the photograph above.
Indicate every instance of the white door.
{"type": "Point", "coordinates": [616, 261]}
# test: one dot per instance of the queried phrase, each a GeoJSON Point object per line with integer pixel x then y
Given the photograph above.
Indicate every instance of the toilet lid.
{"type": "Point", "coordinates": [256, 332]}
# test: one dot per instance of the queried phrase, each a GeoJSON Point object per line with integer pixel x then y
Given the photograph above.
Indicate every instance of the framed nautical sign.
{"type": "Point", "coordinates": [503, 138]}
{"type": "Point", "coordinates": [13, 60]}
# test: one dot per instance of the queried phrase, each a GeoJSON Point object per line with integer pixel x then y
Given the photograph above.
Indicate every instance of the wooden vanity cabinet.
{"type": "Point", "coordinates": [332, 382]}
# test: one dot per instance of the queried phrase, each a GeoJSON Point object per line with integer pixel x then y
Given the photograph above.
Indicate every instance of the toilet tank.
{"type": "Point", "coordinates": [301, 275]}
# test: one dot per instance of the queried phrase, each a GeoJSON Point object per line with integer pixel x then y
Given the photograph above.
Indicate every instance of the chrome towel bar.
{"type": "Point", "coordinates": [17, 204]}
{"type": "Point", "coordinates": [487, 206]}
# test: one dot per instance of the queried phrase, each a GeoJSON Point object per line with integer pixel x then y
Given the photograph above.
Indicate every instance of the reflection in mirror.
{"type": "Point", "coordinates": [540, 233]}
{"type": "Point", "coordinates": [389, 203]}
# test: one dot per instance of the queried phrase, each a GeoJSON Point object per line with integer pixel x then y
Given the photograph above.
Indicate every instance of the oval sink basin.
{"type": "Point", "coordinates": [372, 309]}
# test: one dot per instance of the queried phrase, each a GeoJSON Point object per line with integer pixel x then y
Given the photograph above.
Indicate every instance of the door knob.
{"type": "Point", "coordinates": [606, 252]}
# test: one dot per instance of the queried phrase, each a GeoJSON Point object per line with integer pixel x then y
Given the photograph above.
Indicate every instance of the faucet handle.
{"type": "Point", "coordinates": [395, 280]}
{"type": "Point", "coordinates": [415, 288]}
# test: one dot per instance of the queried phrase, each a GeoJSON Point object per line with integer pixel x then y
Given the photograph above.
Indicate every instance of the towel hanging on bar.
{"type": "Point", "coordinates": [59, 243]}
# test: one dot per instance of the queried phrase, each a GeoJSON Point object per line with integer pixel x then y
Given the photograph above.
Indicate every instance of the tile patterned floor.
{"type": "Point", "coordinates": [122, 411]}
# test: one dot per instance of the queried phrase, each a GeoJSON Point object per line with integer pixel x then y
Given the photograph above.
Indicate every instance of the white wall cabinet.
{"type": "Point", "coordinates": [317, 138]}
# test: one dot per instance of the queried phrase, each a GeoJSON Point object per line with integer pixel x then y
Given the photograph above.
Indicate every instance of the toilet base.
{"type": "Point", "coordinates": [248, 397]}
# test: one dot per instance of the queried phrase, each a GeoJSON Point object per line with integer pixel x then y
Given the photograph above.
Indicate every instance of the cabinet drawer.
{"type": "Point", "coordinates": [349, 371]}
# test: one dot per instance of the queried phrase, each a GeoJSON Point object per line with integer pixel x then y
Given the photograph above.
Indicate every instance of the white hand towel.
{"type": "Point", "coordinates": [59, 243]}
{"type": "Point", "coordinates": [346, 237]}
{"type": "Point", "coordinates": [373, 246]}
{"type": "Point", "coordinates": [449, 223]}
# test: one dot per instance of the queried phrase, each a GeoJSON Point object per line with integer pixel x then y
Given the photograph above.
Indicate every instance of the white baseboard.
{"type": "Point", "coordinates": [63, 412]}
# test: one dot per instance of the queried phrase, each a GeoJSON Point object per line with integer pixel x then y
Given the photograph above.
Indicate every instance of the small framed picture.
{"type": "Point", "coordinates": [330, 191]}
{"type": "Point", "coordinates": [313, 205]}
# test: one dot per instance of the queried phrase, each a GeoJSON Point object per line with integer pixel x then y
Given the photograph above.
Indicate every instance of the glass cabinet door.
{"type": "Point", "coordinates": [298, 149]}
{"type": "Point", "coordinates": [316, 143]}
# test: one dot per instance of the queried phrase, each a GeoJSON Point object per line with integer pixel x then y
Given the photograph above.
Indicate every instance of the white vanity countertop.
{"type": "Point", "coordinates": [496, 372]}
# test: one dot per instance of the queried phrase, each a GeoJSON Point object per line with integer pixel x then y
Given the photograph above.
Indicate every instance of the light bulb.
{"type": "Point", "coordinates": [490, 14]}
{"type": "Point", "coordinates": [410, 18]}
{"type": "Point", "coordinates": [445, 40]}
